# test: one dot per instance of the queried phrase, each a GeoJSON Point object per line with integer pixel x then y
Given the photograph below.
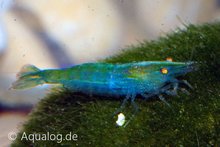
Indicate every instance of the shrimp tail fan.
{"type": "Point", "coordinates": [29, 76]}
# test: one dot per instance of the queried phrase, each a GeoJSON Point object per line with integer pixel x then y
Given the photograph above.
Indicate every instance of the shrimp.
{"type": "Point", "coordinates": [147, 78]}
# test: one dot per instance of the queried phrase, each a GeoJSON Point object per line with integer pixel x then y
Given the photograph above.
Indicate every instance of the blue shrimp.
{"type": "Point", "coordinates": [147, 78]}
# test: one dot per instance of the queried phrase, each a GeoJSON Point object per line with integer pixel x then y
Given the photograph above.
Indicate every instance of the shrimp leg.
{"type": "Point", "coordinates": [122, 105]}
{"type": "Point", "coordinates": [146, 96]}
{"type": "Point", "coordinates": [176, 86]}
{"type": "Point", "coordinates": [163, 100]}
{"type": "Point", "coordinates": [186, 83]}
{"type": "Point", "coordinates": [135, 109]}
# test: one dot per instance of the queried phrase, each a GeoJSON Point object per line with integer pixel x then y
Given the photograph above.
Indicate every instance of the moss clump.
{"type": "Point", "coordinates": [194, 120]}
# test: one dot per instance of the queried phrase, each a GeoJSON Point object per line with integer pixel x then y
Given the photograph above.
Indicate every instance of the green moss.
{"type": "Point", "coordinates": [193, 120]}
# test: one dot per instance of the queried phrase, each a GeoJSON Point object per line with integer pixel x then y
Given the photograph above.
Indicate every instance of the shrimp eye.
{"type": "Point", "coordinates": [164, 71]}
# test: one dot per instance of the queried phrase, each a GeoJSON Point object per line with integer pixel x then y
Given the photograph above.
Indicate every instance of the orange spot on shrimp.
{"type": "Point", "coordinates": [169, 59]}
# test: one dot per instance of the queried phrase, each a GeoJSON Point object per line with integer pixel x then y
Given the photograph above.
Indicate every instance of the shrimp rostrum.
{"type": "Point", "coordinates": [147, 78]}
